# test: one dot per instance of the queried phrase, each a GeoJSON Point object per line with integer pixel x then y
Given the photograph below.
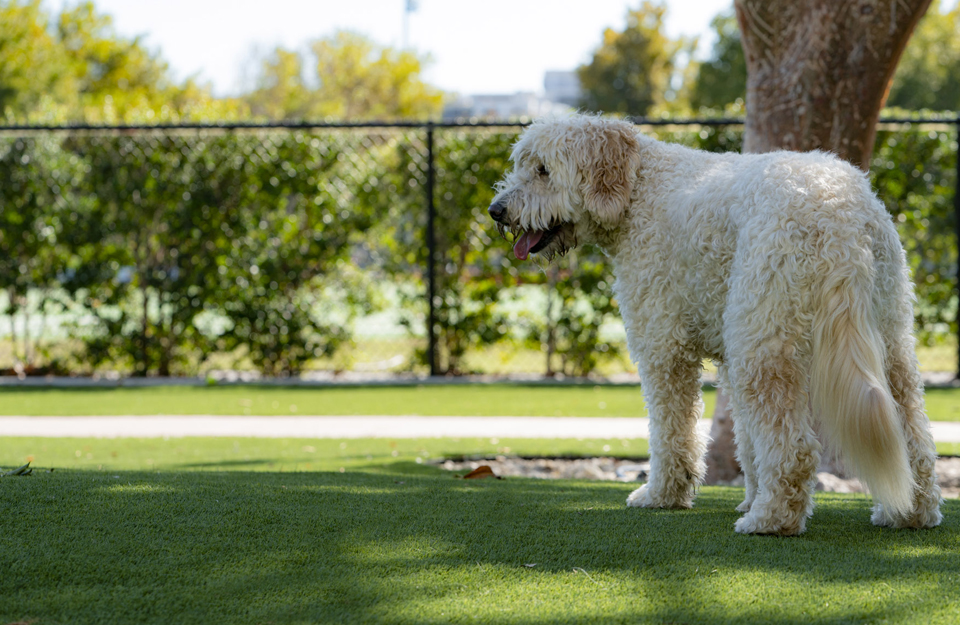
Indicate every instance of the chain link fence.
{"type": "Point", "coordinates": [342, 250]}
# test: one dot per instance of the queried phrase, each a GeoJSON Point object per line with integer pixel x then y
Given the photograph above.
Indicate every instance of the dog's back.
{"type": "Point", "coordinates": [799, 226]}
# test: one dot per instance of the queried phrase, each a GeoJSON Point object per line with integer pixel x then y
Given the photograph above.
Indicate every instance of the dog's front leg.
{"type": "Point", "coordinates": [677, 467]}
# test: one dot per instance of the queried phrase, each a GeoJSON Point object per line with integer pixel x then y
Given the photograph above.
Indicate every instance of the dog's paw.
{"type": "Point", "coordinates": [755, 523]}
{"type": "Point", "coordinates": [925, 519]}
{"type": "Point", "coordinates": [745, 506]}
{"type": "Point", "coordinates": [926, 515]}
{"type": "Point", "coordinates": [645, 497]}
{"type": "Point", "coordinates": [881, 518]}
{"type": "Point", "coordinates": [640, 498]}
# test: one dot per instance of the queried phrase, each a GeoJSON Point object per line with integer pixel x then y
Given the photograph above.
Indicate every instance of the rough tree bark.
{"type": "Point", "coordinates": [818, 74]}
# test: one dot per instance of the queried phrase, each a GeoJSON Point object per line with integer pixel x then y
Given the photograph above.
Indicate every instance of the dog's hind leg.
{"type": "Point", "coordinates": [746, 456]}
{"type": "Point", "coordinates": [780, 448]}
{"type": "Point", "coordinates": [673, 397]}
{"type": "Point", "coordinates": [906, 387]}
{"type": "Point", "coordinates": [892, 303]}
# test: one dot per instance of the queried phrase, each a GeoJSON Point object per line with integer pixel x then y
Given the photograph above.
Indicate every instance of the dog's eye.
{"type": "Point", "coordinates": [542, 171]}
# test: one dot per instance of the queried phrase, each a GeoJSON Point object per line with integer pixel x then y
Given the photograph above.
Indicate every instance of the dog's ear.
{"type": "Point", "coordinates": [611, 172]}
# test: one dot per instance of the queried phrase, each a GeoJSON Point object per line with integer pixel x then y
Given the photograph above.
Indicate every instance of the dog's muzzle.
{"type": "Point", "coordinates": [498, 211]}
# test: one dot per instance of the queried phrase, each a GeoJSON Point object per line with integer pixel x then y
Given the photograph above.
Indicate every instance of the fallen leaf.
{"type": "Point", "coordinates": [24, 470]}
{"type": "Point", "coordinates": [481, 472]}
{"type": "Point", "coordinates": [577, 569]}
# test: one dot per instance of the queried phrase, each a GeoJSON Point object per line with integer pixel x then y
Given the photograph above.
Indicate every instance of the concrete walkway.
{"type": "Point", "coordinates": [353, 427]}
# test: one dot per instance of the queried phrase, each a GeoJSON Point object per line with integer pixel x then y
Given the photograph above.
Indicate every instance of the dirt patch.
{"type": "Point", "coordinates": [627, 470]}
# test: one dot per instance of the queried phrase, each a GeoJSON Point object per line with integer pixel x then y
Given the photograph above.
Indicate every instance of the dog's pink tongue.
{"type": "Point", "coordinates": [527, 240]}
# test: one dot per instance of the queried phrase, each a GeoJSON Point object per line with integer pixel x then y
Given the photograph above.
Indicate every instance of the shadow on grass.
{"type": "Point", "coordinates": [227, 464]}
{"type": "Point", "coordinates": [120, 547]}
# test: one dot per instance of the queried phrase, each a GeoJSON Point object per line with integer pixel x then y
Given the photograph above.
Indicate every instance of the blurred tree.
{"type": "Point", "coordinates": [105, 67]}
{"type": "Point", "coordinates": [928, 76]}
{"type": "Point", "coordinates": [634, 72]}
{"type": "Point", "coordinates": [722, 79]}
{"type": "Point", "coordinates": [355, 80]}
{"type": "Point", "coordinates": [38, 215]}
{"type": "Point", "coordinates": [280, 92]}
{"type": "Point", "coordinates": [214, 243]}
{"type": "Point", "coordinates": [826, 96]}
{"type": "Point", "coordinates": [360, 80]}
{"type": "Point", "coordinates": [81, 69]}
{"type": "Point", "coordinates": [34, 64]}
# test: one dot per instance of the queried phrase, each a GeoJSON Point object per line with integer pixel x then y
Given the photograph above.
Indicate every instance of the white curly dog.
{"type": "Point", "coordinates": [783, 268]}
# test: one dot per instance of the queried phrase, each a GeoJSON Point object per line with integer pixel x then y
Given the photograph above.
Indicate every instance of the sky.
{"type": "Point", "coordinates": [475, 46]}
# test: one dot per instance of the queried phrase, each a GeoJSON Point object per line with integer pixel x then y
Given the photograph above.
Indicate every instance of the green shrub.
{"type": "Point", "coordinates": [175, 245]}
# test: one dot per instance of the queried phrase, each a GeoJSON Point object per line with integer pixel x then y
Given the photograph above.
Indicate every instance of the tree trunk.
{"type": "Point", "coordinates": [818, 71]}
{"type": "Point", "coordinates": [818, 74]}
{"type": "Point", "coordinates": [722, 465]}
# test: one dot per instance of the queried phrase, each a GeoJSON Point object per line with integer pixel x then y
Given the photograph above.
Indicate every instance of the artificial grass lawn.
{"type": "Point", "coordinates": [227, 538]}
{"type": "Point", "coordinates": [287, 454]}
{"type": "Point", "coordinates": [943, 404]}
{"type": "Point", "coordinates": [429, 400]}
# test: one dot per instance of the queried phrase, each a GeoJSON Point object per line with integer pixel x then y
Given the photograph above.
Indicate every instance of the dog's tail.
{"type": "Point", "coordinates": [850, 394]}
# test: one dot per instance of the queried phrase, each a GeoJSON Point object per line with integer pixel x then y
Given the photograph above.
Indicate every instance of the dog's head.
{"type": "Point", "coordinates": [570, 184]}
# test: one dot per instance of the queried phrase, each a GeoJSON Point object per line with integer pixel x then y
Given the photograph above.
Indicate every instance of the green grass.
{"type": "Point", "coordinates": [241, 531]}
{"type": "Point", "coordinates": [292, 454]}
{"type": "Point", "coordinates": [943, 404]}
{"type": "Point", "coordinates": [465, 400]}
{"type": "Point", "coordinates": [286, 454]}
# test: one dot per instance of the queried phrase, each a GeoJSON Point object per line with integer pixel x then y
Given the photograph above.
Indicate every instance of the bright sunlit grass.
{"type": "Point", "coordinates": [458, 400]}
{"type": "Point", "coordinates": [943, 404]}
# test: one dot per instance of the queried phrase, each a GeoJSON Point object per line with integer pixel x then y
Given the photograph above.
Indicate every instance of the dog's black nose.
{"type": "Point", "coordinates": [498, 211]}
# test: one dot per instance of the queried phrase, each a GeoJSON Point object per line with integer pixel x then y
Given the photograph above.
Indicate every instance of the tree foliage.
{"type": "Point", "coordinates": [634, 71]}
{"type": "Point", "coordinates": [34, 63]}
{"type": "Point", "coordinates": [176, 246]}
{"type": "Point", "coordinates": [39, 221]}
{"type": "Point", "coordinates": [914, 172]}
{"type": "Point", "coordinates": [103, 67]}
{"type": "Point", "coordinates": [173, 247]}
{"type": "Point", "coordinates": [928, 76]}
{"type": "Point", "coordinates": [355, 79]}
{"type": "Point", "coordinates": [214, 243]}
{"type": "Point", "coordinates": [280, 91]}
{"type": "Point", "coordinates": [77, 68]}
{"type": "Point", "coordinates": [722, 79]}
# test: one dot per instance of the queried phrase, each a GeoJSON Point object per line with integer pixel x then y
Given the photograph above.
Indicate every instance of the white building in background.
{"type": "Point", "coordinates": [560, 95]}
{"type": "Point", "coordinates": [562, 87]}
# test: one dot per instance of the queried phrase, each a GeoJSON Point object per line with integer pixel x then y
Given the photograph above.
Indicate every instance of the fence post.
{"type": "Point", "coordinates": [431, 257]}
{"type": "Point", "coordinates": [956, 217]}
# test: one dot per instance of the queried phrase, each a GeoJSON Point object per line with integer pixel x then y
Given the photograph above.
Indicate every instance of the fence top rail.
{"type": "Point", "coordinates": [258, 126]}
{"type": "Point", "coordinates": [307, 125]}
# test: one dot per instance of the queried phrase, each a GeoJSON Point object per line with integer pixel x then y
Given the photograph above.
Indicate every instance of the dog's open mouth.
{"type": "Point", "coordinates": [532, 241]}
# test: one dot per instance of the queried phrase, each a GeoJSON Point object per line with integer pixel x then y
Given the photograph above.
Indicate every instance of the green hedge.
{"type": "Point", "coordinates": [171, 247]}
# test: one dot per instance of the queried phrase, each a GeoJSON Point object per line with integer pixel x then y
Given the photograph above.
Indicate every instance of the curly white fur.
{"type": "Point", "coordinates": [783, 268]}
